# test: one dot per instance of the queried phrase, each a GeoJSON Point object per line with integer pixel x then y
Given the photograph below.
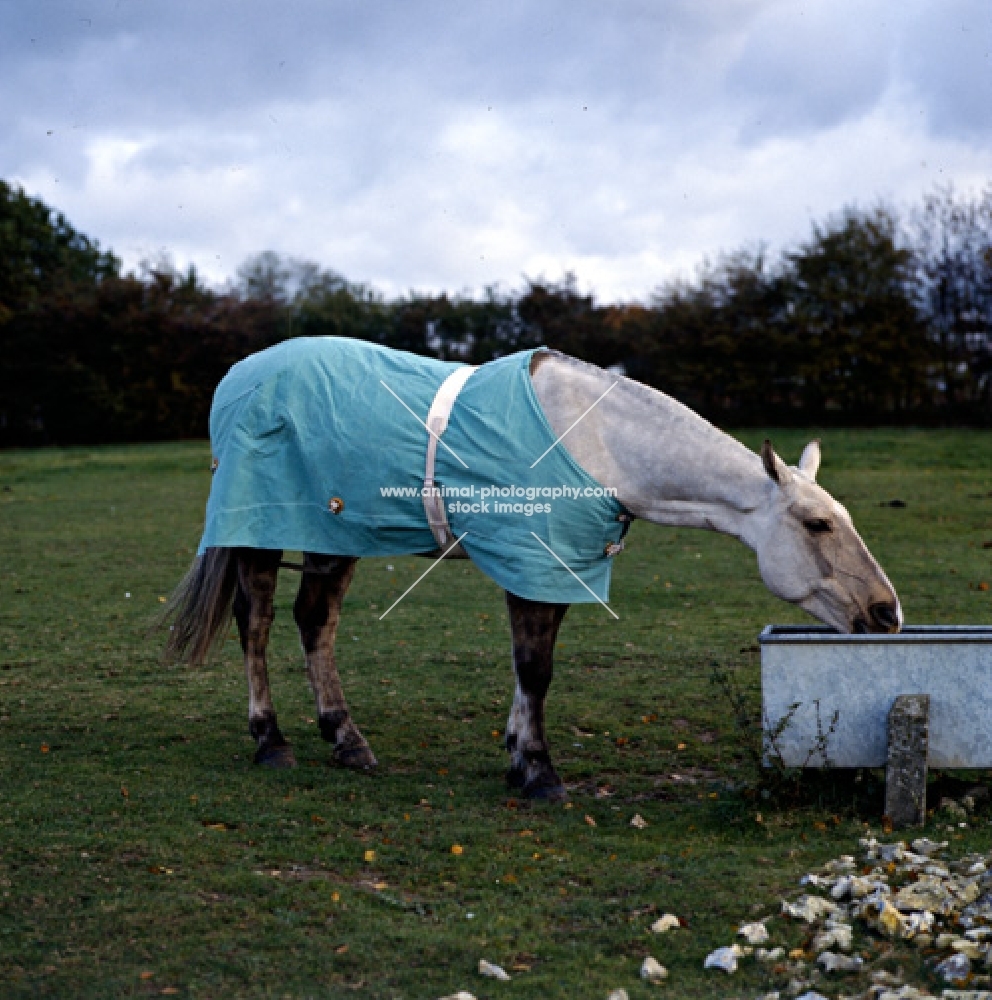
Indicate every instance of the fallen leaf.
{"type": "Point", "coordinates": [45, 748]}
{"type": "Point", "coordinates": [335, 896]}
{"type": "Point", "coordinates": [341, 949]}
{"type": "Point", "coordinates": [457, 849]}
{"type": "Point", "coordinates": [124, 791]}
{"type": "Point", "coordinates": [147, 974]}
{"type": "Point", "coordinates": [638, 821]}
{"type": "Point", "coordinates": [370, 855]}
{"type": "Point", "coordinates": [589, 820]}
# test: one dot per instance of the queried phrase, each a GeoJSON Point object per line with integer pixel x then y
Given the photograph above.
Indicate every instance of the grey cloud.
{"type": "Point", "coordinates": [945, 61]}
{"type": "Point", "coordinates": [806, 67]}
{"type": "Point", "coordinates": [451, 144]}
{"type": "Point", "coordinates": [191, 58]}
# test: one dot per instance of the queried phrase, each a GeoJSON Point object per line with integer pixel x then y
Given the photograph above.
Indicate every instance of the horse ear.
{"type": "Point", "coordinates": [774, 466]}
{"type": "Point", "coordinates": [809, 463]}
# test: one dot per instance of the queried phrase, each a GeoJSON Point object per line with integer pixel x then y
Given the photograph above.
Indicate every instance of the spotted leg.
{"type": "Point", "coordinates": [253, 611]}
{"type": "Point", "coordinates": [534, 627]}
{"type": "Point", "coordinates": [317, 612]}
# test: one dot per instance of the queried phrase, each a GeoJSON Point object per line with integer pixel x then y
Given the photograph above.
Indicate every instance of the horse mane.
{"type": "Point", "coordinates": [645, 394]}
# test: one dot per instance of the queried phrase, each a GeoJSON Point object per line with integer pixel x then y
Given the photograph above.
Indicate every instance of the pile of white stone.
{"type": "Point", "coordinates": [902, 892]}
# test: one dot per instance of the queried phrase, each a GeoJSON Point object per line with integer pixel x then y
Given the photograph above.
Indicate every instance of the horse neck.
{"type": "Point", "coordinates": [667, 464]}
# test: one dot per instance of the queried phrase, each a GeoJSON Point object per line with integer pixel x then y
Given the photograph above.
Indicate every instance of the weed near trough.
{"type": "Point", "coordinates": [141, 852]}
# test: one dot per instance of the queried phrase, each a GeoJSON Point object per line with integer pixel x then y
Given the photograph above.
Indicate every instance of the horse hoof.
{"type": "Point", "coordinates": [279, 757]}
{"type": "Point", "coordinates": [356, 758]}
{"type": "Point", "coordinates": [516, 777]}
{"type": "Point", "coordinates": [549, 793]}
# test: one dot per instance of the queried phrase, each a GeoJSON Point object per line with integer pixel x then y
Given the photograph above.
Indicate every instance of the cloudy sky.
{"type": "Point", "coordinates": [429, 145]}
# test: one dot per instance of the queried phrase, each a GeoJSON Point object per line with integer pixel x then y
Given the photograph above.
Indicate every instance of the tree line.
{"type": "Point", "coordinates": [873, 319]}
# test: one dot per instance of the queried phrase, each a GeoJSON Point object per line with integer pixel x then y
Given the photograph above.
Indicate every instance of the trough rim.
{"type": "Point", "coordinates": [915, 634]}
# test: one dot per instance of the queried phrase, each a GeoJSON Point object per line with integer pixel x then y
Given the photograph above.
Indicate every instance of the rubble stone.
{"type": "Point", "coordinates": [754, 933]}
{"type": "Point", "coordinates": [492, 971]}
{"type": "Point", "coordinates": [665, 923]}
{"type": "Point", "coordinates": [653, 971]}
{"type": "Point", "coordinates": [955, 969]}
{"type": "Point", "coordinates": [832, 962]}
{"type": "Point", "coordinates": [724, 959]}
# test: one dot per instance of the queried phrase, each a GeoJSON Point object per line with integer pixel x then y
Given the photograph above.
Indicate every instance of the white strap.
{"type": "Point", "coordinates": [437, 421]}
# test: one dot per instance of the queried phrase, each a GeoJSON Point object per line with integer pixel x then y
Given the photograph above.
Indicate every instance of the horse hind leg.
{"type": "Point", "coordinates": [253, 611]}
{"type": "Point", "coordinates": [534, 627]}
{"type": "Point", "coordinates": [317, 612]}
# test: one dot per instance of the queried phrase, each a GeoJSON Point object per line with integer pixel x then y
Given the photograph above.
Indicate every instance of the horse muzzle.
{"type": "Point", "coordinates": [883, 616]}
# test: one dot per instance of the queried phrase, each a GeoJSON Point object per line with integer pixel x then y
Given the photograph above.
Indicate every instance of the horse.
{"type": "Point", "coordinates": [661, 461]}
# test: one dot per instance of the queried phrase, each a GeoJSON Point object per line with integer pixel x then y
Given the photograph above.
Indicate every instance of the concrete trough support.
{"type": "Point", "coordinates": [906, 769]}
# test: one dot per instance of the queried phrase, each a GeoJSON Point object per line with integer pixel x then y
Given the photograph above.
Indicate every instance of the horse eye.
{"type": "Point", "coordinates": [817, 526]}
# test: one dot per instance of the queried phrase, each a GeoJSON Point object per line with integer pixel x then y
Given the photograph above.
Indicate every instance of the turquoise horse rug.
{"type": "Point", "coordinates": [341, 447]}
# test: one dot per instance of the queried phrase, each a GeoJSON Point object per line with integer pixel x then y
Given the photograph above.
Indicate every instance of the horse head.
{"type": "Point", "coordinates": [810, 554]}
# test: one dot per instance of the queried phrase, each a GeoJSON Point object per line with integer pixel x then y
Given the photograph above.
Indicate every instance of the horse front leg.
{"type": "Point", "coordinates": [534, 628]}
{"type": "Point", "coordinates": [253, 611]}
{"type": "Point", "coordinates": [317, 612]}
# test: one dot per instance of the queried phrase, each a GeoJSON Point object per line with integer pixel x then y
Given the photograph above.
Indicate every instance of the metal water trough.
{"type": "Point", "coordinates": [859, 677]}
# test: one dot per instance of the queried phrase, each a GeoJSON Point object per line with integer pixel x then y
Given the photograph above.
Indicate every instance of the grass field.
{"type": "Point", "coordinates": [141, 852]}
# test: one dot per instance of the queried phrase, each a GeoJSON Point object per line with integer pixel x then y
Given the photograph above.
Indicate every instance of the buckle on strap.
{"type": "Point", "coordinates": [613, 548]}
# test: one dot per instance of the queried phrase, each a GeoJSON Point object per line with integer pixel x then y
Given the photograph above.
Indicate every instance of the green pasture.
{"type": "Point", "coordinates": [141, 852]}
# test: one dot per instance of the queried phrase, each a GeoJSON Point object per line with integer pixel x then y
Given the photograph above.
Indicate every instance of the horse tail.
{"type": "Point", "coordinates": [200, 607]}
